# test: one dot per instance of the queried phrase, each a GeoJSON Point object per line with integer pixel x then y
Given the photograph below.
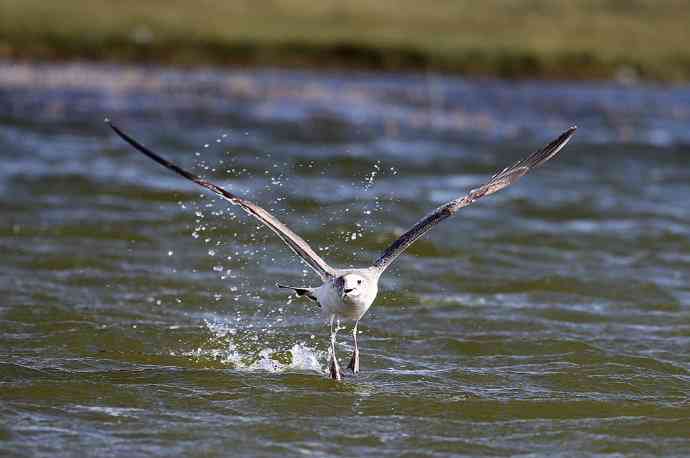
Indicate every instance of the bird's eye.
{"type": "Point", "coordinates": [359, 282]}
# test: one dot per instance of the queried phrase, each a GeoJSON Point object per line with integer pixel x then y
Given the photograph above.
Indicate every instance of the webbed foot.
{"type": "Point", "coordinates": [354, 362]}
{"type": "Point", "coordinates": [334, 369]}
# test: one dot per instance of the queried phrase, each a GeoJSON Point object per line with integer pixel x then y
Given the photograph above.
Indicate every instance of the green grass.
{"type": "Point", "coordinates": [578, 39]}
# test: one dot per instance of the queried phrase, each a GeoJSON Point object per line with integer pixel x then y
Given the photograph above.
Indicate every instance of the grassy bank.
{"type": "Point", "coordinates": [578, 39]}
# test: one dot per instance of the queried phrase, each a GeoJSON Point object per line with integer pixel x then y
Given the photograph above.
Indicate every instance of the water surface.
{"type": "Point", "coordinates": [139, 316]}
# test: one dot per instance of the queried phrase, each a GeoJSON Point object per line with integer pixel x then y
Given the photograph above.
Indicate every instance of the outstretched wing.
{"type": "Point", "coordinates": [294, 241]}
{"type": "Point", "coordinates": [501, 180]}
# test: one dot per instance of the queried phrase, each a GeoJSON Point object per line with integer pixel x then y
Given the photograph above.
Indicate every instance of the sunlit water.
{"type": "Point", "coordinates": [138, 316]}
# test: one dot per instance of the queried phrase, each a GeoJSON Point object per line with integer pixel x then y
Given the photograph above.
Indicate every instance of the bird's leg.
{"type": "Point", "coordinates": [354, 361]}
{"type": "Point", "coordinates": [334, 368]}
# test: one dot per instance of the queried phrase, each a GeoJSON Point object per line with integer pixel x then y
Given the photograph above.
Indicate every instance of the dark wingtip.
{"type": "Point", "coordinates": [110, 124]}
{"type": "Point", "coordinates": [569, 132]}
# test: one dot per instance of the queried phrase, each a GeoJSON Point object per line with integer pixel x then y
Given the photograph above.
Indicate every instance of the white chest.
{"type": "Point", "coordinates": [332, 303]}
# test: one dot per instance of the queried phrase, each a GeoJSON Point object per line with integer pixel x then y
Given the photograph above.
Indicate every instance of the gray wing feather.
{"type": "Point", "coordinates": [294, 241]}
{"type": "Point", "coordinates": [500, 180]}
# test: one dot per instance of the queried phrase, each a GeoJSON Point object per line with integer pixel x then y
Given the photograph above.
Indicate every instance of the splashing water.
{"type": "Point", "coordinates": [236, 342]}
{"type": "Point", "coordinates": [371, 178]}
{"type": "Point", "coordinates": [300, 357]}
{"type": "Point", "coordinates": [368, 224]}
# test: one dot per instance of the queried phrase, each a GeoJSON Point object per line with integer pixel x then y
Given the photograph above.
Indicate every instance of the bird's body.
{"type": "Point", "coordinates": [347, 294]}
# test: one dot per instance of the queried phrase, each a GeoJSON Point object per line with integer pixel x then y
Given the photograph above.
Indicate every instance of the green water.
{"type": "Point", "coordinates": [138, 318]}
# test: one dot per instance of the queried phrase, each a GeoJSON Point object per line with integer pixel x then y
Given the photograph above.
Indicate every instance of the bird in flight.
{"type": "Point", "coordinates": [348, 293]}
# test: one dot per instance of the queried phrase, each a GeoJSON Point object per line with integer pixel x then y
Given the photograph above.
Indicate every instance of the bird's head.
{"type": "Point", "coordinates": [353, 285]}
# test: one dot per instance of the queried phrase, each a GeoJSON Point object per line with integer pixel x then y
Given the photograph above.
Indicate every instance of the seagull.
{"type": "Point", "coordinates": [347, 294]}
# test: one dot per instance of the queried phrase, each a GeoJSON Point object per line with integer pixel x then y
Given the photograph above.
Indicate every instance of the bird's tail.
{"type": "Point", "coordinates": [300, 291]}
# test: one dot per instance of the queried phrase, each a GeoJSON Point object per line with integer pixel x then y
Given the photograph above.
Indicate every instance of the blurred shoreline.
{"type": "Point", "coordinates": [575, 40]}
{"type": "Point", "coordinates": [391, 105]}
